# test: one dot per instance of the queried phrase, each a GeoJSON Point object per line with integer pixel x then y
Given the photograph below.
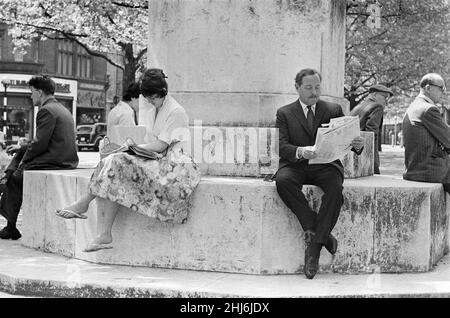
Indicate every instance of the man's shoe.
{"type": "Point", "coordinates": [312, 254]}
{"type": "Point", "coordinates": [10, 233]}
{"type": "Point", "coordinates": [331, 244]}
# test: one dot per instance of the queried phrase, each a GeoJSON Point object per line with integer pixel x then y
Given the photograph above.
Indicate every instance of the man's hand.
{"type": "Point", "coordinates": [358, 144]}
{"type": "Point", "coordinates": [308, 152]}
{"type": "Point", "coordinates": [12, 149]}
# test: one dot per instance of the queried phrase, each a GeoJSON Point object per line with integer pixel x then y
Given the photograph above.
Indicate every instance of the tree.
{"type": "Point", "coordinates": [413, 40]}
{"type": "Point", "coordinates": [99, 26]}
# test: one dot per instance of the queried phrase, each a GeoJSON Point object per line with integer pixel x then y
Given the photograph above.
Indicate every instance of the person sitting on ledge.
{"type": "Point", "coordinates": [54, 147]}
{"type": "Point", "coordinates": [426, 136]}
{"type": "Point", "coordinates": [155, 188]}
{"type": "Point", "coordinates": [125, 112]}
{"type": "Point", "coordinates": [298, 123]}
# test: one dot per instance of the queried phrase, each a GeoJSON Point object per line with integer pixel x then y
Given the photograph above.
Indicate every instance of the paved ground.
{"type": "Point", "coordinates": [392, 160]}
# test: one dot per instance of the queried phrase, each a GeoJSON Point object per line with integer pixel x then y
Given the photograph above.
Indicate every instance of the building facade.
{"type": "Point", "coordinates": [83, 83]}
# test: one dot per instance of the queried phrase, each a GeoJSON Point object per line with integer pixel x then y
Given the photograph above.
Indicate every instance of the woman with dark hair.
{"type": "Point", "coordinates": [156, 188]}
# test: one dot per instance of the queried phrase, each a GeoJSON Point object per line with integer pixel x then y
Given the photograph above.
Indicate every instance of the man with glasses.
{"type": "Point", "coordinates": [370, 112]}
{"type": "Point", "coordinates": [427, 136]}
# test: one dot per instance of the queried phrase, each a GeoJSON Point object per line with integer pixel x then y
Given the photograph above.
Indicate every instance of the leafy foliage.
{"type": "Point", "coordinates": [100, 26]}
{"type": "Point", "coordinates": [414, 39]}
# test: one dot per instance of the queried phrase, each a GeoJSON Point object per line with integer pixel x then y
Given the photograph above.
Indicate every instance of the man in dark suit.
{"type": "Point", "coordinates": [426, 136]}
{"type": "Point", "coordinates": [297, 124]}
{"type": "Point", "coordinates": [54, 147]}
{"type": "Point", "coordinates": [370, 112]}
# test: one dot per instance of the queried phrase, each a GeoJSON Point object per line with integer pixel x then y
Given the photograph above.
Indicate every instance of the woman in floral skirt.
{"type": "Point", "coordinates": [155, 188]}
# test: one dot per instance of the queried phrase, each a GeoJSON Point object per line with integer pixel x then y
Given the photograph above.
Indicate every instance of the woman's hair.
{"type": "Point", "coordinates": [133, 91]}
{"type": "Point", "coordinates": [153, 81]}
{"type": "Point", "coordinates": [44, 83]}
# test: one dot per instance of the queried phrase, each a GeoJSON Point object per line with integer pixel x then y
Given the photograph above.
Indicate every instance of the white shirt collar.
{"type": "Point", "coordinates": [305, 107]}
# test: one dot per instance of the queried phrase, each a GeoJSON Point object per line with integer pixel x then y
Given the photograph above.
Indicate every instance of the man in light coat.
{"type": "Point", "coordinates": [427, 136]}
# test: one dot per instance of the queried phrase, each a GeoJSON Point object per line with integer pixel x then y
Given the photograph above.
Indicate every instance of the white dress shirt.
{"type": "Point", "coordinates": [121, 115]}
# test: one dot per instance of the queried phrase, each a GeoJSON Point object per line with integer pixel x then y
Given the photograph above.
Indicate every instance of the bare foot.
{"type": "Point", "coordinates": [100, 243]}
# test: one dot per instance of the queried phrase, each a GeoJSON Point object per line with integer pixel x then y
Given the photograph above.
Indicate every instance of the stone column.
{"type": "Point", "coordinates": [233, 62]}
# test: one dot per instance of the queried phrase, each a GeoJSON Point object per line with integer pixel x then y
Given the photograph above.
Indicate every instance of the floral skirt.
{"type": "Point", "coordinates": [159, 189]}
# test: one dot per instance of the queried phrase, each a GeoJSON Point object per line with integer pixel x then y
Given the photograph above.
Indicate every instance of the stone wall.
{"type": "Point", "coordinates": [233, 62]}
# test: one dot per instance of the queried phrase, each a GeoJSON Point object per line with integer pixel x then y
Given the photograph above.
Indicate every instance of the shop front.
{"type": "Point", "coordinates": [17, 113]}
{"type": "Point", "coordinates": [91, 103]}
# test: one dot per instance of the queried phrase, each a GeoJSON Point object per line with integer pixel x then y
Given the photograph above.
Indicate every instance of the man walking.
{"type": "Point", "coordinates": [298, 123]}
{"type": "Point", "coordinates": [426, 136]}
{"type": "Point", "coordinates": [370, 112]}
{"type": "Point", "coordinates": [54, 147]}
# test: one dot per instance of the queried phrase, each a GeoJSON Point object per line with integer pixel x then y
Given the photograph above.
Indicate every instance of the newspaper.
{"type": "Point", "coordinates": [334, 141]}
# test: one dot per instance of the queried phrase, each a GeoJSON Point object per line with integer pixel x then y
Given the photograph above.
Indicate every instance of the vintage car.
{"type": "Point", "coordinates": [89, 136]}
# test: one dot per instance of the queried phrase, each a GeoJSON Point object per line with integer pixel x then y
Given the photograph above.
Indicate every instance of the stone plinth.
{"type": "Point", "coordinates": [244, 151]}
{"type": "Point", "coordinates": [234, 62]}
{"type": "Point", "coordinates": [241, 225]}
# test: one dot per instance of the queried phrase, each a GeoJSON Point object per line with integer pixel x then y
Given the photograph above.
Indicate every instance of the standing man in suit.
{"type": "Point", "coordinates": [370, 113]}
{"type": "Point", "coordinates": [54, 147]}
{"type": "Point", "coordinates": [426, 136]}
{"type": "Point", "coordinates": [297, 124]}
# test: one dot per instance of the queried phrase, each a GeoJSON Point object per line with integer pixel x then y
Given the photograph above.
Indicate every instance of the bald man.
{"type": "Point", "coordinates": [427, 136]}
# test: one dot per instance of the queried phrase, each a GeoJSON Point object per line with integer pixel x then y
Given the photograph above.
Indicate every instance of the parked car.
{"type": "Point", "coordinates": [89, 136]}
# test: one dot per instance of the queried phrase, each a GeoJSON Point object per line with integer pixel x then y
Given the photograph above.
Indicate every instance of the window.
{"type": "Point", "coordinates": [36, 48]}
{"type": "Point", "coordinates": [2, 35]}
{"type": "Point", "coordinates": [73, 60]}
{"type": "Point", "coordinates": [83, 63]}
{"type": "Point", "coordinates": [65, 57]}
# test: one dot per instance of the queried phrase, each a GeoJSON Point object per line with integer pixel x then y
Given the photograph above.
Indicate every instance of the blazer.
{"type": "Point", "coordinates": [427, 142]}
{"type": "Point", "coordinates": [370, 113]}
{"type": "Point", "coordinates": [54, 146]}
{"type": "Point", "coordinates": [293, 129]}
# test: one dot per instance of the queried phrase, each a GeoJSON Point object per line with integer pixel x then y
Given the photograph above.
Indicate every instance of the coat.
{"type": "Point", "coordinates": [293, 129]}
{"type": "Point", "coordinates": [54, 146]}
{"type": "Point", "coordinates": [427, 142]}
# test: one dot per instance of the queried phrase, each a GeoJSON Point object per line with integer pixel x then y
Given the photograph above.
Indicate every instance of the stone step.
{"type": "Point", "coordinates": [241, 225]}
{"type": "Point", "coordinates": [36, 273]}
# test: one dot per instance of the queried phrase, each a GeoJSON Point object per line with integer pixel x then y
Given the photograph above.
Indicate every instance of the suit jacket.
{"type": "Point", "coordinates": [54, 146]}
{"type": "Point", "coordinates": [427, 142]}
{"type": "Point", "coordinates": [370, 113]}
{"type": "Point", "coordinates": [294, 132]}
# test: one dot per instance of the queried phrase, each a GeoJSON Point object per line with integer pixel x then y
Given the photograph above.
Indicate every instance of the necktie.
{"type": "Point", "coordinates": [310, 118]}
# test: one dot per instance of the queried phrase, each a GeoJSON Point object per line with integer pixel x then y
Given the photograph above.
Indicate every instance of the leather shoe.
{"type": "Point", "coordinates": [331, 244]}
{"type": "Point", "coordinates": [312, 254]}
{"type": "Point", "coordinates": [10, 233]}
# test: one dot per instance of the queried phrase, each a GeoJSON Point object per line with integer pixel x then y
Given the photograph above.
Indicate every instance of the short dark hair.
{"type": "Point", "coordinates": [133, 91]}
{"type": "Point", "coordinates": [306, 72]}
{"type": "Point", "coordinates": [153, 81]}
{"type": "Point", "coordinates": [44, 83]}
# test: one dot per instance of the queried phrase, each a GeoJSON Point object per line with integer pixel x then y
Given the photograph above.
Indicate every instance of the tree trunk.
{"type": "Point", "coordinates": [129, 64]}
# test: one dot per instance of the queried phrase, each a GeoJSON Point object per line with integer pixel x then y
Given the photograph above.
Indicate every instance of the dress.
{"type": "Point", "coordinates": [159, 189]}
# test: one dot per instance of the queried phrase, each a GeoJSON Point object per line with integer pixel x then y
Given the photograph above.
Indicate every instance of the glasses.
{"type": "Point", "coordinates": [442, 88]}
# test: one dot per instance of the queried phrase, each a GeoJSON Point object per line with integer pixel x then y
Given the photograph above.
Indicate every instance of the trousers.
{"type": "Point", "coordinates": [289, 182]}
{"type": "Point", "coordinates": [11, 199]}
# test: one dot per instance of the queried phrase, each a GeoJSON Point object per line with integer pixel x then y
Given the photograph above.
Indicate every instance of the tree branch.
{"type": "Point", "coordinates": [127, 5]}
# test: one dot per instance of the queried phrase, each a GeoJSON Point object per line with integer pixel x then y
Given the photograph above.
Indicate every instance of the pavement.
{"type": "Point", "coordinates": [29, 272]}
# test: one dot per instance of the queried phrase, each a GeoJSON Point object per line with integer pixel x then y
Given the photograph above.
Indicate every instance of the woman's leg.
{"type": "Point", "coordinates": [106, 214]}
{"type": "Point", "coordinates": [81, 205]}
